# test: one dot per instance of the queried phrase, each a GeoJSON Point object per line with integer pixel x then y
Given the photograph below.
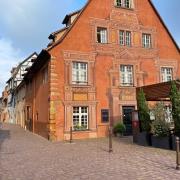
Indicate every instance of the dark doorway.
{"type": "Point", "coordinates": [127, 119]}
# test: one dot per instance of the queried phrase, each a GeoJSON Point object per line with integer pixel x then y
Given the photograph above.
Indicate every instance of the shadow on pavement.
{"type": "Point", "coordinates": [4, 134]}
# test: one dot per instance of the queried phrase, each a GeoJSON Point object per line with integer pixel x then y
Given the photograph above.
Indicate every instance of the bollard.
{"type": "Point", "coordinates": [70, 135]}
{"type": "Point", "coordinates": [110, 139]}
{"type": "Point", "coordinates": [177, 154]}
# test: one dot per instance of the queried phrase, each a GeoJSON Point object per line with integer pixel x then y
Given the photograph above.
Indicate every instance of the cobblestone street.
{"type": "Point", "coordinates": [25, 156]}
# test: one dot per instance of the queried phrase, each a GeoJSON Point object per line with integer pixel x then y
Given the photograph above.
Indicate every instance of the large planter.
{"type": "Point", "coordinates": [144, 139]}
{"type": "Point", "coordinates": [161, 142]}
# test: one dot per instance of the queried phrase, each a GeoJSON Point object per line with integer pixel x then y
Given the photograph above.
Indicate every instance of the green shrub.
{"type": "Point", "coordinates": [159, 126]}
{"type": "Point", "coordinates": [119, 128]}
{"type": "Point", "coordinates": [175, 101]}
{"type": "Point", "coordinates": [143, 112]}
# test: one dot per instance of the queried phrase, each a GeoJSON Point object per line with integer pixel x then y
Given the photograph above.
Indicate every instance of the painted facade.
{"type": "Point", "coordinates": [15, 93]}
{"type": "Point", "coordinates": [3, 106]}
{"type": "Point", "coordinates": [94, 65]}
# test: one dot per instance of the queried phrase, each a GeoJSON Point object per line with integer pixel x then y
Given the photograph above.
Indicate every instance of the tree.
{"type": "Point", "coordinates": [143, 110]}
{"type": "Point", "coordinates": [175, 101]}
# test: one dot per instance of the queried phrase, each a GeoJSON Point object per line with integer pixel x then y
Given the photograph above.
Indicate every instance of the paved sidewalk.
{"type": "Point", "coordinates": [24, 156]}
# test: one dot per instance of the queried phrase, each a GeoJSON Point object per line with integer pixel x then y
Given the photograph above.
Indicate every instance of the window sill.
{"type": "Point", "coordinates": [80, 85]}
{"type": "Point", "coordinates": [131, 9]}
{"type": "Point", "coordinates": [124, 86]}
{"type": "Point", "coordinates": [99, 43]}
{"type": "Point", "coordinates": [125, 46]}
{"type": "Point", "coordinates": [81, 131]}
{"type": "Point", "coordinates": [147, 48]}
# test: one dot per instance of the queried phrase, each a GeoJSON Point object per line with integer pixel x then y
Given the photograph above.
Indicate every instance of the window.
{"type": "Point", "coordinates": [80, 118]}
{"type": "Point", "coordinates": [101, 35]}
{"type": "Point", "coordinates": [45, 75]}
{"type": "Point", "coordinates": [105, 115]}
{"type": "Point", "coordinates": [125, 38]}
{"type": "Point", "coordinates": [79, 73]}
{"type": "Point", "coordinates": [126, 75]}
{"type": "Point", "coordinates": [124, 3]}
{"type": "Point", "coordinates": [166, 74]}
{"type": "Point", "coordinates": [128, 38]}
{"type": "Point", "coordinates": [121, 38]}
{"type": "Point", "coordinates": [146, 40]}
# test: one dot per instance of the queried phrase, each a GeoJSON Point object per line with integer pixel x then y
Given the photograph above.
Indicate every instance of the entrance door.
{"type": "Point", "coordinates": [127, 119]}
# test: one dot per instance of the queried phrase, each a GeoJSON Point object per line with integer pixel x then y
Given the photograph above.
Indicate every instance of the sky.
{"type": "Point", "coordinates": [26, 24]}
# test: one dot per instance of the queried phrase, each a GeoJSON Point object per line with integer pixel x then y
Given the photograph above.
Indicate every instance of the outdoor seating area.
{"type": "Point", "coordinates": [159, 109]}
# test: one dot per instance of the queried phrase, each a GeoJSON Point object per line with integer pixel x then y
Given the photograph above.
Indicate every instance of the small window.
{"type": "Point", "coordinates": [146, 40]}
{"type": "Point", "coordinates": [124, 3]}
{"type": "Point", "coordinates": [126, 75]}
{"type": "Point", "coordinates": [101, 35]}
{"type": "Point", "coordinates": [124, 38]}
{"type": "Point", "coordinates": [79, 73]}
{"type": "Point", "coordinates": [105, 115]}
{"type": "Point", "coordinates": [166, 74]}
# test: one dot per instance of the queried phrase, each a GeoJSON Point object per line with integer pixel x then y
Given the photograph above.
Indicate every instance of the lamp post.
{"type": "Point", "coordinates": [110, 139]}
{"type": "Point", "coordinates": [70, 140]}
{"type": "Point", "coordinates": [177, 154]}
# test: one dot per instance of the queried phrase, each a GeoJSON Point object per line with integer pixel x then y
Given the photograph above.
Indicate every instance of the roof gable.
{"type": "Point", "coordinates": [80, 12]}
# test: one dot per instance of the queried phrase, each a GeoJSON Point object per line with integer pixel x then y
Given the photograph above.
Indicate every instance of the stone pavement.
{"type": "Point", "coordinates": [24, 156]}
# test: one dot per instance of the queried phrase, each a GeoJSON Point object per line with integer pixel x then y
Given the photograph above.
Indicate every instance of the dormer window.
{"type": "Point", "coordinates": [124, 3]}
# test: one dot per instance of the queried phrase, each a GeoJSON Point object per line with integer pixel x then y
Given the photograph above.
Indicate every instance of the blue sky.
{"type": "Point", "coordinates": [26, 24]}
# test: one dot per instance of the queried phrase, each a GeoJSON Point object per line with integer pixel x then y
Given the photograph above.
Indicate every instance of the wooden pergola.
{"type": "Point", "coordinates": [158, 92]}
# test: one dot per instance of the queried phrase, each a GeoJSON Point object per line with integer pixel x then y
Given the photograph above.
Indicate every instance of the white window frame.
{"type": "Point", "coordinates": [79, 73]}
{"type": "Point", "coordinates": [128, 38]}
{"type": "Point", "coordinates": [125, 38]}
{"type": "Point", "coordinates": [124, 3]}
{"type": "Point", "coordinates": [102, 33]}
{"type": "Point", "coordinates": [146, 40]}
{"type": "Point", "coordinates": [166, 74]}
{"type": "Point", "coordinates": [126, 76]}
{"type": "Point", "coordinates": [121, 37]}
{"type": "Point", "coordinates": [80, 114]}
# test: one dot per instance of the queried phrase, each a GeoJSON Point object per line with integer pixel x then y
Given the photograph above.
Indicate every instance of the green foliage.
{"type": "Point", "coordinates": [119, 128]}
{"type": "Point", "coordinates": [159, 126]}
{"type": "Point", "coordinates": [175, 101]}
{"type": "Point", "coordinates": [143, 110]}
{"type": "Point", "coordinates": [77, 127]}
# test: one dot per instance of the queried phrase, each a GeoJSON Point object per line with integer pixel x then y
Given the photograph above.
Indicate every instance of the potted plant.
{"type": "Point", "coordinates": [144, 136]}
{"type": "Point", "coordinates": [160, 128]}
{"type": "Point", "coordinates": [119, 129]}
{"type": "Point", "coordinates": [78, 127]}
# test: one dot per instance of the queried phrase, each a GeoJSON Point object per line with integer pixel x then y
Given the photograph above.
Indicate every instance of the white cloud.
{"type": "Point", "coordinates": [25, 26]}
{"type": "Point", "coordinates": [29, 22]}
{"type": "Point", "coordinates": [9, 57]}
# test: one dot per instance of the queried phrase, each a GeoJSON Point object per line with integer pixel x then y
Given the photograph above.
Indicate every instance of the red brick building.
{"type": "Point", "coordinates": [87, 77]}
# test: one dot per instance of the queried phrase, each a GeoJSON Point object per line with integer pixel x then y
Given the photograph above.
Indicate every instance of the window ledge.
{"type": "Point", "coordinates": [81, 131]}
{"type": "Point", "coordinates": [131, 9]}
{"type": "Point", "coordinates": [98, 43]}
{"type": "Point", "coordinates": [127, 86]}
{"type": "Point", "coordinates": [80, 85]}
